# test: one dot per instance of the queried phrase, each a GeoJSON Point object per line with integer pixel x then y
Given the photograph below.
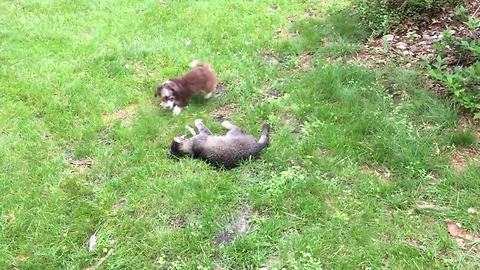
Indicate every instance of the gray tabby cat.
{"type": "Point", "coordinates": [227, 150]}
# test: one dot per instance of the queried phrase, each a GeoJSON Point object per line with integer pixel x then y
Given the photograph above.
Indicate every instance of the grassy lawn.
{"type": "Point", "coordinates": [358, 174]}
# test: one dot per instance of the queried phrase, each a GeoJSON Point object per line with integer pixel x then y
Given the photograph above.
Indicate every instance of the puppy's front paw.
{"type": "Point", "coordinates": [177, 110]}
{"type": "Point", "coordinates": [209, 95]}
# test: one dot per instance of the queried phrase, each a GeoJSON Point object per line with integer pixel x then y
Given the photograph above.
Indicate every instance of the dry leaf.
{"type": "Point", "coordinates": [92, 242]}
{"type": "Point", "coordinates": [465, 239]}
{"type": "Point", "coordinates": [453, 228]}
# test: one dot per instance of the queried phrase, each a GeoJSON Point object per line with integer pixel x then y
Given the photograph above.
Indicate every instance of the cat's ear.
{"type": "Point", "coordinates": [180, 139]}
{"type": "Point", "coordinates": [175, 148]}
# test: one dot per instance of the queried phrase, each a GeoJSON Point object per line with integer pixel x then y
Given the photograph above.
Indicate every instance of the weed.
{"type": "Point", "coordinates": [381, 15]}
{"type": "Point", "coordinates": [472, 23]}
{"type": "Point", "coordinates": [463, 80]}
{"type": "Point", "coordinates": [463, 139]}
{"type": "Point", "coordinates": [460, 13]}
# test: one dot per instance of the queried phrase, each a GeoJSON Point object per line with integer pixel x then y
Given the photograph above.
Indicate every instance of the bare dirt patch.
{"type": "Point", "coordinates": [220, 90]}
{"type": "Point", "coordinates": [117, 206]}
{"type": "Point", "coordinates": [80, 162]}
{"type": "Point", "coordinates": [270, 58]}
{"type": "Point", "coordinates": [460, 158]}
{"type": "Point", "coordinates": [322, 151]}
{"type": "Point", "coordinates": [304, 62]}
{"type": "Point", "coordinates": [274, 93]}
{"type": "Point", "coordinates": [139, 69]}
{"type": "Point", "coordinates": [270, 93]}
{"type": "Point", "coordinates": [218, 266]}
{"type": "Point", "coordinates": [307, 13]}
{"type": "Point", "coordinates": [271, 263]}
{"type": "Point", "coordinates": [239, 227]}
{"type": "Point", "coordinates": [467, 122]}
{"type": "Point", "coordinates": [426, 205]}
{"type": "Point", "coordinates": [295, 125]}
{"type": "Point", "coordinates": [310, 13]}
{"type": "Point", "coordinates": [178, 222]}
{"type": "Point", "coordinates": [224, 112]}
{"type": "Point", "coordinates": [284, 34]}
{"type": "Point", "coordinates": [416, 244]}
{"type": "Point", "coordinates": [380, 172]}
{"type": "Point", "coordinates": [124, 115]}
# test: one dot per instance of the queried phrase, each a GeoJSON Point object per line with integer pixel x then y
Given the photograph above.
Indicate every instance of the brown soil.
{"type": "Point", "coordinates": [238, 227]}
{"type": "Point", "coordinates": [413, 41]}
{"type": "Point", "coordinates": [125, 115]}
{"type": "Point", "coordinates": [461, 157]}
{"type": "Point", "coordinates": [224, 112]}
{"type": "Point", "coordinates": [380, 172]}
{"type": "Point", "coordinates": [178, 222]}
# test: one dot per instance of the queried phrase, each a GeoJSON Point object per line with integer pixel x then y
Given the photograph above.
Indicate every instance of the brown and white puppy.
{"type": "Point", "coordinates": [176, 93]}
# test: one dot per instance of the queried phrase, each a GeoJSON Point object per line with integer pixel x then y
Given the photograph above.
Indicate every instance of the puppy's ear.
{"type": "Point", "coordinates": [172, 85]}
{"type": "Point", "coordinates": [158, 91]}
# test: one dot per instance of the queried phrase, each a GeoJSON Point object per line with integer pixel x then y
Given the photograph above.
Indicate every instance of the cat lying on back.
{"type": "Point", "coordinates": [227, 150]}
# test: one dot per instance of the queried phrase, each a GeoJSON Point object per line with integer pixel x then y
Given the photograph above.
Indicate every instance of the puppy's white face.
{"type": "Point", "coordinates": [168, 100]}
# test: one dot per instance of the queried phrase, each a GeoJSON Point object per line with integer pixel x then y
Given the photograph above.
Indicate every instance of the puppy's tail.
{"type": "Point", "coordinates": [264, 139]}
{"type": "Point", "coordinates": [195, 63]}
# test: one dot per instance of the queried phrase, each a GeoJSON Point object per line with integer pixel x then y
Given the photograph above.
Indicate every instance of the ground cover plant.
{"type": "Point", "coordinates": [381, 15]}
{"type": "Point", "coordinates": [457, 64]}
{"type": "Point", "coordinates": [366, 168]}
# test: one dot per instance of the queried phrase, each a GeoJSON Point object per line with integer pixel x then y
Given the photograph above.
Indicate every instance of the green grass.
{"type": "Point", "coordinates": [66, 65]}
{"type": "Point", "coordinates": [463, 138]}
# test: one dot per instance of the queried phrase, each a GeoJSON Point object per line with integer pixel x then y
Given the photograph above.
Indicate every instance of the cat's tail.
{"type": "Point", "coordinates": [264, 139]}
